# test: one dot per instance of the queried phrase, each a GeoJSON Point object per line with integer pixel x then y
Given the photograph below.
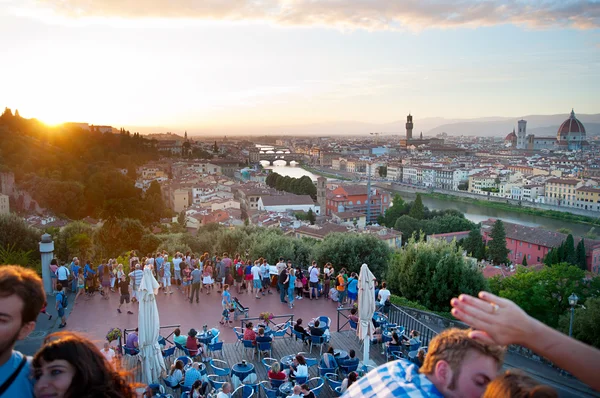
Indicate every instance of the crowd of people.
{"type": "Point", "coordinates": [458, 363]}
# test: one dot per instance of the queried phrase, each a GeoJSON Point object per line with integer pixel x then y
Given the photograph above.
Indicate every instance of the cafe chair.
{"type": "Point", "coordinates": [268, 362]}
{"type": "Point", "coordinates": [243, 391]}
{"type": "Point", "coordinates": [316, 385]}
{"type": "Point", "coordinates": [217, 381]}
{"type": "Point", "coordinates": [221, 368]}
{"type": "Point", "coordinates": [265, 346]}
{"type": "Point", "coordinates": [270, 390]}
{"type": "Point", "coordinates": [317, 340]}
{"type": "Point", "coordinates": [333, 380]}
{"type": "Point", "coordinates": [216, 347]}
{"type": "Point", "coordinates": [239, 334]}
{"type": "Point", "coordinates": [249, 346]}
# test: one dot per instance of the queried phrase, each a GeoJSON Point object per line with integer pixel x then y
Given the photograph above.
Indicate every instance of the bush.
{"type": "Point", "coordinates": [15, 232]}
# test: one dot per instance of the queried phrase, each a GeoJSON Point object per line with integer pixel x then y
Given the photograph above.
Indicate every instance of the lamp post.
{"type": "Point", "coordinates": [572, 302]}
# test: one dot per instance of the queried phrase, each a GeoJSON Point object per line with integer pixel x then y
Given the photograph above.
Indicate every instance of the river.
{"type": "Point", "coordinates": [473, 212]}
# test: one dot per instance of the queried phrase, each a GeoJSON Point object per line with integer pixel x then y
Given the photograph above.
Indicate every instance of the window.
{"type": "Point", "coordinates": [358, 202]}
{"type": "Point", "coordinates": [538, 259]}
{"type": "Point", "coordinates": [520, 243]}
{"type": "Point", "coordinates": [529, 257]}
{"type": "Point", "coordinates": [529, 245]}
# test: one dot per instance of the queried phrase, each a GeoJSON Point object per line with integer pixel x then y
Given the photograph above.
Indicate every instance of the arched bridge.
{"type": "Point", "coordinates": [256, 156]}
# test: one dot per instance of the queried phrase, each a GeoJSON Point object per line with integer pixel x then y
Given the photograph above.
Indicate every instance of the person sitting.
{"type": "Point", "coordinates": [192, 375]}
{"type": "Point", "coordinates": [199, 389]}
{"type": "Point", "coordinates": [299, 328]}
{"type": "Point", "coordinates": [396, 340]}
{"type": "Point", "coordinates": [298, 368]}
{"type": "Point", "coordinates": [351, 361]}
{"type": "Point", "coordinates": [353, 317]}
{"type": "Point", "coordinates": [328, 359]}
{"type": "Point", "coordinates": [412, 340]}
{"type": "Point", "coordinates": [419, 358]}
{"type": "Point", "coordinates": [316, 330]}
{"type": "Point", "coordinates": [225, 391]}
{"type": "Point", "coordinates": [249, 333]}
{"type": "Point", "coordinates": [192, 343]}
{"type": "Point", "coordinates": [179, 339]}
{"type": "Point", "coordinates": [456, 365]}
{"type": "Point", "coordinates": [306, 392]}
{"type": "Point", "coordinates": [348, 381]}
{"type": "Point", "coordinates": [514, 383]}
{"type": "Point", "coordinates": [296, 392]}
{"type": "Point", "coordinates": [275, 372]}
{"type": "Point", "coordinates": [262, 338]}
{"type": "Point", "coordinates": [176, 374]}
{"type": "Point", "coordinates": [132, 340]}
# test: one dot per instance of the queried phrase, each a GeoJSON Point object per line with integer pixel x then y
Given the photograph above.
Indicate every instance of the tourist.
{"type": "Point", "coordinates": [72, 366]}
{"type": "Point", "coordinates": [133, 260]}
{"type": "Point", "coordinates": [239, 273]}
{"type": "Point", "coordinates": [192, 375]}
{"type": "Point", "coordinates": [327, 274]}
{"type": "Point", "coordinates": [306, 393]}
{"type": "Point", "coordinates": [384, 294]}
{"type": "Point", "coordinates": [456, 366]}
{"type": "Point", "coordinates": [248, 276]}
{"type": "Point", "coordinates": [108, 353]}
{"type": "Point", "coordinates": [75, 272]}
{"type": "Point", "coordinates": [328, 359]}
{"type": "Point", "coordinates": [132, 341]}
{"type": "Point", "coordinates": [136, 280]}
{"type": "Point", "coordinates": [176, 374]}
{"type": "Point", "coordinates": [413, 339]}
{"type": "Point", "coordinates": [275, 372]}
{"type": "Point", "coordinates": [123, 287]}
{"type": "Point", "coordinates": [199, 388]}
{"type": "Point", "coordinates": [225, 391]}
{"type": "Point", "coordinates": [299, 328]}
{"type": "Point", "coordinates": [177, 268]}
{"type": "Point", "coordinates": [500, 321]}
{"type": "Point", "coordinates": [289, 284]}
{"type": "Point", "coordinates": [263, 338]}
{"type": "Point", "coordinates": [196, 280]}
{"type": "Point", "coordinates": [351, 361]}
{"type": "Point", "coordinates": [53, 268]}
{"type": "Point", "coordinates": [298, 369]}
{"type": "Point", "coordinates": [43, 311]}
{"type": "Point", "coordinates": [179, 338]}
{"type": "Point", "coordinates": [166, 279]}
{"type": "Point", "coordinates": [89, 274]}
{"type": "Point", "coordinates": [256, 277]}
{"type": "Point", "coordinates": [515, 384]}
{"type": "Point", "coordinates": [396, 341]}
{"type": "Point", "coordinates": [106, 281]}
{"type": "Point", "coordinates": [207, 276]}
{"type": "Point", "coordinates": [353, 317]}
{"type": "Point", "coordinates": [225, 304]}
{"type": "Point", "coordinates": [61, 299]}
{"type": "Point", "coordinates": [80, 286]}
{"type": "Point", "coordinates": [280, 266]}
{"type": "Point", "coordinates": [62, 274]}
{"type": "Point", "coordinates": [419, 359]}
{"type": "Point", "coordinates": [296, 392]}
{"type": "Point", "coordinates": [22, 297]}
{"type": "Point", "coordinates": [283, 283]}
{"type": "Point", "coordinates": [352, 288]}
{"type": "Point", "coordinates": [265, 271]}
{"type": "Point", "coordinates": [249, 333]}
{"type": "Point", "coordinates": [313, 275]}
{"type": "Point", "coordinates": [341, 288]}
{"type": "Point", "coordinates": [348, 381]}
{"type": "Point", "coordinates": [186, 277]}
{"type": "Point", "coordinates": [113, 273]}
{"type": "Point", "coordinates": [192, 343]}
{"type": "Point", "coordinates": [316, 330]}
{"type": "Point", "coordinates": [221, 275]}
{"type": "Point", "coordinates": [299, 284]}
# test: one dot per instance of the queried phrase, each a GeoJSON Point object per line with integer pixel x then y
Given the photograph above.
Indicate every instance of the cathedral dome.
{"type": "Point", "coordinates": [571, 133]}
{"type": "Point", "coordinates": [571, 125]}
{"type": "Point", "coordinates": [511, 136]}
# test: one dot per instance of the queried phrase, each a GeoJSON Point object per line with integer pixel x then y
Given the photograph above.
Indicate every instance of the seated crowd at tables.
{"type": "Point", "coordinates": [464, 363]}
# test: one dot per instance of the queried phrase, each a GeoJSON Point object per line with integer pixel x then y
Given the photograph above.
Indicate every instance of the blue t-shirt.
{"type": "Point", "coordinates": [75, 270]}
{"type": "Point", "coordinates": [159, 262]}
{"type": "Point", "coordinates": [226, 297]}
{"type": "Point", "coordinates": [22, 386]}
{"type": "Point", "coordinates": [352, 285]}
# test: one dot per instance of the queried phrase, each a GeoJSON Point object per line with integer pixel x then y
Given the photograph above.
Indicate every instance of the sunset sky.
{"type": "Point", "coordinates": [201, 64]}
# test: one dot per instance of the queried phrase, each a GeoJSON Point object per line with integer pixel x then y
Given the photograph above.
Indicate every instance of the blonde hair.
{"type": "Point", "coordinates": [516, 384]}
{"type": "Point", "coordinates": [452, 346]}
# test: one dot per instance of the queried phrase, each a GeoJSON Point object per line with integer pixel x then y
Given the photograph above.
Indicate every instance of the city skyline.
{"type": "Point", "coordinates": [225, 65]}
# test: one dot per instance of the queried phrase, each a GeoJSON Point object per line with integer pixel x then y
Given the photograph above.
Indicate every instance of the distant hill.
{"type": "Point", "coordinates": [164, 136]}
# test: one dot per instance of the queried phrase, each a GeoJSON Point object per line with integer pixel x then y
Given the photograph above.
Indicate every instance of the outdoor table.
{"type": "Point", "coordinates": [287, 361]}
{"type": "Point", "coordinates": [379, 318]}
{"type": "Point", "coordinates": [340, 354]}
{"type": "Point", "coordinates": [268, 330]}
{"type": "Point", "coordinates": [205, 338]}
{"type": "Point", "coordinates": [240, 371]}
{"type": "Point", "coordinates": [286, 388]}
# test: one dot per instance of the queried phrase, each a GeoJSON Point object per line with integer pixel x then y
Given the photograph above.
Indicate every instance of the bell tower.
{"type": "Point", "coordinates": [322, 195]}
{"type": "Point", "coordinates": [409, 127]}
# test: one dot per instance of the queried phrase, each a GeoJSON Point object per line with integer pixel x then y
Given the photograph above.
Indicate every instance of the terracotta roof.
{"type": "Point", "coordinates": [568, 181]}
{"type": "Point", "coordinates": [287, 200]}
{"type": "Point", "coordinates": [589, 189]}
{"type": "Point", "coordinates": [321, 232]}
{"type": "Point", "coordinates": [571, 125]}
{"type": "Point", "coordinates": [355, 189]}
{"type": "Point", "coordinates": [348, 214]}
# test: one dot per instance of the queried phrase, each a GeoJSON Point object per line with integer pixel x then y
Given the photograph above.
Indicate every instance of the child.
{"type": "Point", "coordinates": [80, 286]}
{"type": "Point", "coordinates": [43, 311]}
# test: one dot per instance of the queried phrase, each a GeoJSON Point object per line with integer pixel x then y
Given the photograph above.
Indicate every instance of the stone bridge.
{"type": "Point", "coordinates": [271, 156]}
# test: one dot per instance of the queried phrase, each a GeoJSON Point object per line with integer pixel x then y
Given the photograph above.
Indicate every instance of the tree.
{"type": "Point", "coordinates": [569, 253]}
{"type": "Point", "coordinates": [215, 147]}
{"type": "Point", "coordinates": [524, 263]}
{"type": "Point", "coordinates": [563, 230]}
{"type": "Point", "coordinates": [182, 218]}
{"type": "Point", "coordinates": [431, 273]}
{"type": "Point", "coordinates": [407, 225]}
{"type": "Point", "coordinates": [382, 171]}
{"type": "Point", "coordinates": [498, 252]}
{"type": "Point", "coordinates": [397, 209]}
{"type": "Point", "coordinates": [585, 322]}
{"type": "Point", "coordinates": [580, 257]}
{"type": "Point", "coordinates": [417, 210]}
{"type": "Point", "coordinates": [311, 217]}
{"type": "Point", "coordinates": [474, 245]}
{"type": "Point", "coordinates": [591, 234]}
{"type": "Point", "coordinates": [15, 232]}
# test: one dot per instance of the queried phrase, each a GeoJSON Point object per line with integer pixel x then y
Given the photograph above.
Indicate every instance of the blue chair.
{"type": "Point", "coordinates": [162, 341]}
{"type": "Point", "coordinates": [268, 362]}
{"type": "Point", "coordinates": [185, 390]}
{"type": "Point", "coordinates": [265, 346]}
{"type": "Point", "coordinates": [337, 391]}
{"type": "Point", "coordinates": [185, 394]}
{"type": "Point", "coordinates": [187, 361]}
{"type": "Point", "coordinates": [276, 383]}
{"type": "Point", "coordinates": [299, 335]}
{"type": "Point", "coordinates": [170, 385]}
{"type": "Point", "coordinates": [353, 325]}
{"type": "Point", "coordinates": [221, 368]}
{"type": "Point", "coordinates": [214, 347]}
{"type": "Point", "coordinates": [325, 322]}
{"type": "Point", "coordinates": [309, 360]}
{"type": "Point", "coordinates": [254, 386]}
{"type": "Point", "coordinates": [413, 349]}
{"type": "Point", "coordinates": [346, 369]}
{"type": "Point", "coordinates": [391, 350]}
{"type": "Point", "coordinates": [242, 391]}
{"type": "Point", "coordinates": [301, 379]}
{"type": "Point", "coordinates": [130, 351]}
{"type": "Point", "coordinates": [324, 371]}
{"type": "Point", "coordinates": [365, 369]}
{"type": "Point", "coordinates": [316, 385]}
{"type": "Point", "coordinates": [333, 380]}
{"type": "Point", "coordinates": [249, 346]}
{"type": "Point", "coordinates": [281, 330]}
{"type": "Point", "coordinates": [217, 381]}
{"type": "Point", "coordinates": [168, 352]}
{"type": "Point", "coordinates": [317, 340]}
{"type": "Point", "coordinates": [270, 390]}
{"type": "Point", "coordinates": [239, 334]}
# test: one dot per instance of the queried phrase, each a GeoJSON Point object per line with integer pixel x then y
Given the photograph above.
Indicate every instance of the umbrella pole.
{"type": "Point", "coordinates": [366, 357]}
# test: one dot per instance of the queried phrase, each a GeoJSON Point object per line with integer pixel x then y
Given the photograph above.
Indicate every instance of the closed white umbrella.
{"type": "Point", "coordinates": [153, 363]}
{"type": "Point", "coordinates": [366, 309]}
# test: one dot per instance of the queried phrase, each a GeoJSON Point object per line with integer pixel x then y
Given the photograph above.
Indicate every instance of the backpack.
{"type": "Point", "coordinates": [240, 270]}
{"type": "Point", "coordinates": [63, 300]}
{"type": "Point", "coordinates": [161, 271]}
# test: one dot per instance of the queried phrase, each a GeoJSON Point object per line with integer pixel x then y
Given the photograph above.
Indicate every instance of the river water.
{"type": "Point", "coordinates": [473, 212]}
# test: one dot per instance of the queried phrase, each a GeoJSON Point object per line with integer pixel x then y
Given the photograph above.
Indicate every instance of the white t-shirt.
{"type": "Point", "coordinates": [301, 371]}
{"type": "Point", "coordinates": [176, 262]}
{"type": "Point", "coordinates": [150, 261]}
{"type": "Point", "coordinates": [314, 274]}
{"type": "Point", "coordinates": [384, 294]}
{"type": "Point", "coordinates": [221, 394]}
{"type": "Point", "coordinates": [255, 272]}
{"type": "Point", "coordinates": [62, 273]}
{"type": "Point", "coordinates": [109, 355]}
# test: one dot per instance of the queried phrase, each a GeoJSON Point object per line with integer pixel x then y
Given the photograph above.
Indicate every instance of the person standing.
{"type": "Point", "coordinates": [226, 305]}
{"type": "Point", "coordinates": [112, 265]}
{"type": "Point", "coordinates": [108, 353]}
{"type": "Point", "coordinates": [106, 281]}
{"type": "Point", "coordinates": [186, 279]}
{"type": "Point", "coordinates": [61, 299]}
{"type": "Point", "coordinates": [291, 282]}
{"type": "Point", "coordinates": [53, 268]}
{"type": "Point", "coordinates": [123, 286]}
{"type": "Point", "coordinates": [136, 280]}
{"type": "Point", "coordinates": [177, 268]}
{"type": "Point", "coordinates": [22, 297]}
{"type": "Point", "coordinates": [220, 274]}
{"type": "Point", "coordinates": [248, 276]}
{"type": "Point", "coordinates": [166, 279]}
{"type": "Point", "coordinates": [352, 288]}
{"type": "Point", "coordinates": [282, 278]}
{"type": "Point", "coordinates": [62, 274]}
{"type": "Point", "coordinates": [227, 262]}
{"type": "Point", "coordinates": [313, 275]}
{"type": "Point", "coordinates": [256, 277]}
{"type": "Point", "coordinates": [341, 288]}
{"type": "Point", "coordinates": [265, 271]}
{"type": "Point", "coordinates": [196, 279]}
{"type": "Point", "coordinates": [327, 274]}
{"type": "Point", "coordinates": [75, 272]}
{"type": "Point", "coordinates": [80, 286]}
{"type": "Point", "coordinates": [207, 276]}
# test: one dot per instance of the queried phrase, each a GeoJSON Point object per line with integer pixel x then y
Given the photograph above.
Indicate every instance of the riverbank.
{"type": "Point", "coordinates": [322, 173]}
{"type": "Point", "coordinates": [557, 215]}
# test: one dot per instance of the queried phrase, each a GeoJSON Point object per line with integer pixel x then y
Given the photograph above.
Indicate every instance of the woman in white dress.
{"type": "Point", "coordinates": [207, 276]}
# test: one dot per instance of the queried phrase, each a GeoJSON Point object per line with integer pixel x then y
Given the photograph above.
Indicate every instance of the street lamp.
{"type": "Point", "coordinates": [572, 302]}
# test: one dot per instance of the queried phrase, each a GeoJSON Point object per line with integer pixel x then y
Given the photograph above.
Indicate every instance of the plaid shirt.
{"type": "Point", "coordinates": [394, 379]}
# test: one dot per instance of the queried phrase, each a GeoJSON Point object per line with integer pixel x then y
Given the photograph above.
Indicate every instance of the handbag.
{"type": "Point", "coordinates": [13, 376]}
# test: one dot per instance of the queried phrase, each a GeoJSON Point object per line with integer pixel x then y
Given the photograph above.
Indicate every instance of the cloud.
{"type": "Point", "coordinates": [349, 14]}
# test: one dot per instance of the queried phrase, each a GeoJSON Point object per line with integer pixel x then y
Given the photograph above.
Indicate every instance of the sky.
{"type": "Point", "coordinates": [202, 65]}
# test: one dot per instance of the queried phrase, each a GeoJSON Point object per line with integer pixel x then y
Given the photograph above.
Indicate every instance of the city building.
{"type": "Point", "coordinates": [288, 202]}
{"type": "Point", "coordinates": [409, 141]}
{"type": "Point", "coordinates": [587, 198]}
{"type": "Point", "coordinates": [354, 198]}
{"type": "Point", "coordinates": [571, 134]}
{"type": "Point", "coordinates": [4, 204]}
{"type": "Point", "coordinates": [350, 219]}
{"type": "Point", "coordinates": [561, 191]}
